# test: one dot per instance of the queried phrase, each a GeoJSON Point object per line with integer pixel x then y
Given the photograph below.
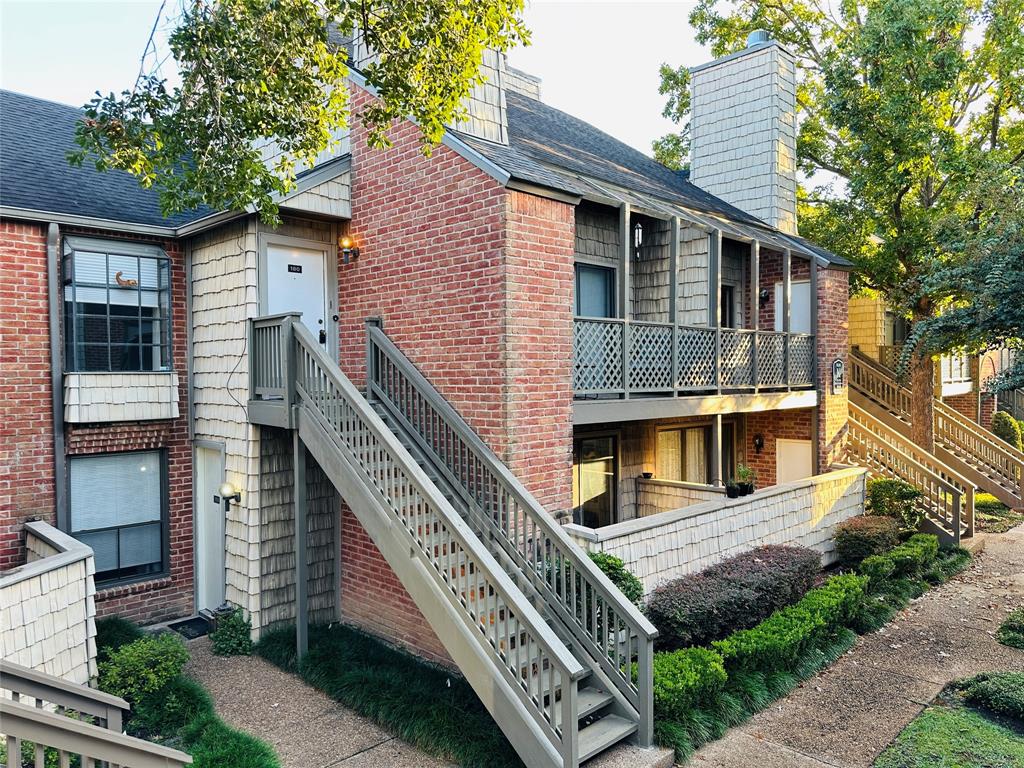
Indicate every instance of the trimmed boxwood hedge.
{"type": "Point", "coordinates": [734, 594]}
{"type": "Point", "coordinates": [685, 678]}
{"type": "Point", "coordinates": [864, 536]}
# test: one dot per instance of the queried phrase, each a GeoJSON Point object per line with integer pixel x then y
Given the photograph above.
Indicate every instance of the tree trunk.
{"type": "Point", "coordinates": [922, 406]}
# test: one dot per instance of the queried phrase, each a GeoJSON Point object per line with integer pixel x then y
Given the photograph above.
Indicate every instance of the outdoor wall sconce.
{"type": "Point", "coordinates": [758, 442]}
{"type": "Point", "coordinates": [763, 296]}
{"type": "Point", "coordinates": [348, 250]}
{"type": "Point", "coordinates": [229, 493]}
{"type": "Point", "coordinates": [648, 475]}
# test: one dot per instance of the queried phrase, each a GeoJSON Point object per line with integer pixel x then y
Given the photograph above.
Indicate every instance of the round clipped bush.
{"type": "Point", "coordinates": [620, 576]}
{"type": "Point", "coordinates": [143, 666]}
{"type": "Point", "coordinates": [1008, 428]}
{"type": "Point", "coordinates": [895, 499]}
{"type": "Point", "coordinates": [685, 678]}
{"type": "Point", "coordinates": [861, 537]}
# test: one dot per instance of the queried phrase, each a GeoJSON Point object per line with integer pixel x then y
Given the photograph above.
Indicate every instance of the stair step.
{"type": "Point", "coordinates": [601, 734]}
{"type": "Point", "coordinates": [590, 700]}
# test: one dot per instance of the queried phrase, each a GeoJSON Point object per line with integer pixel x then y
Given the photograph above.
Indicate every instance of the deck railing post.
{"type": "Point", "coordinates": [371, 356]}
{"type": "Point", "coordinates": [570, 725]}
{"type": "Point", "coordinates": [625, 358]}
{"type": "Point", "coordinates": [645, 672]}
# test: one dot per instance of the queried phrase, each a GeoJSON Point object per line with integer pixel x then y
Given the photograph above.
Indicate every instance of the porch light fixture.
{"type": "Point", "coordinates": [763, 295]}
{"type": "Point", "coordinates": [638, 239]}
{"type": "Point", "coordinates": [758, 442]}
{"type": "Point", "coordinates": [348, 250]}
{"type": "Point", "coordinates": [229, 493]}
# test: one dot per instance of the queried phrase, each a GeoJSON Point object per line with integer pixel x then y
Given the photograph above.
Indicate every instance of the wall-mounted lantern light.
{"type": "Point", "coordinates": [763, 296]}
{"type": "Point", "coordinates": [638, 239]}
{"type": "Point", "coordinates": [349, 252]}
{"type": "Point", "coordinates": [229, 493]}
{"type": "Point", "coordinates": [758, 442]}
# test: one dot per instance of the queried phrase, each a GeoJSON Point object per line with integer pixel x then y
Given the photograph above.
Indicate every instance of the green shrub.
{"type": "Point", "coordinates": [734, 594]}
{"type": "Point", "coordinates": [213, 744]}
{"type": "Point", "coordinates": [895, 499]}
{"type": "Point", "coordinates": [986, 502]}
{"type": "Point", "coordinates": [143, 666]}
{"type": "Point", "coordinates": [861, 537]}
{"type": "Point", "coordinates": [908, 560]}
{"type": "Point", "coordinates": [684, 678]}
{"type": "Point", "coordinates": [113, 632]}
{"type": "Point", "coordinates": [233, 636]}
{"type": "Point", "coordinates": [1006, 427]}
{"type": "Point", "coordinates": [775, 644]}
{"type": "Point", "coordinates": [1011, 631]}
{"type": "Point", "coordinates": [999, 692]}
{"type": "Point", "coordinates": [620, 576]}
{"type": "Point", "coordinates": [160, 715]}
{"type": "Point", "coordinates": [948, 564]}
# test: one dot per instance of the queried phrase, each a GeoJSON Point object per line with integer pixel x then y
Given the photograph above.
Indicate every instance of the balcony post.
{"type": "Point", "coordinates": [301, 566]}
{"type": "Point", "coordinates": [787, 295]}
{"type": "Point", "coordinates": [716, 451]}
{"type": "Point", "coordinates": [673, 301]}
{"type": "Point", "coordinates": [814, 321]}
{"type": "Point", "coordinates": [715, 300]}
{"type": "Point", "coordinates": [755, 289]}
{"type": "Point", "coordinates": [625, 292]}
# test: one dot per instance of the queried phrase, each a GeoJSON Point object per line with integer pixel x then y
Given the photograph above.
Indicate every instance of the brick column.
{"type": "Point", "coordinates": [832, 343]}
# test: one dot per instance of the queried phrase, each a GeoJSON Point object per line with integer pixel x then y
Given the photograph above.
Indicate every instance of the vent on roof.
{"type": "Point", "coordinates": [757, 37]}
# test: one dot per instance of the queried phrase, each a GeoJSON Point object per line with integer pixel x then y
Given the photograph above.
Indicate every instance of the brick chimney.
{"type": "Point", "coordinates": [743, 130]}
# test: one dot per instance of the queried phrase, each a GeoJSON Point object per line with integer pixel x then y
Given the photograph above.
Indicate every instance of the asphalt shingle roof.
{"type": "Point", "coordinates": [35, 138]}
{"type": "Point", "coordinates": [544, 141]}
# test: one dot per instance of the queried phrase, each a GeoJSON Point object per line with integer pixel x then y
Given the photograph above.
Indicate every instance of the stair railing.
{"type": "Point", "coordinates": [948, 499]}
{"type": "Point", "coordinates": [601, 619]}
{"type": "Point", "coordinates": [506, 625]}
{"type": "Point", "coordinates": [1003, 462]}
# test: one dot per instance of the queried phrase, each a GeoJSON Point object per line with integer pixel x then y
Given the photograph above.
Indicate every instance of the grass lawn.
{"type": "Point", "coordinates": [950, 735]}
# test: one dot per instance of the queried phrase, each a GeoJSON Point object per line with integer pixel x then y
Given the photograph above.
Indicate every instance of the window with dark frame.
{"type": "Point", "coordinates": [116, 306]}
{"type": "Point", "coordinates": [118, 506]}
{"type": "Point", "coordinates": [595, 291]}
{"type": "Point", "coordinates": [684, 453]}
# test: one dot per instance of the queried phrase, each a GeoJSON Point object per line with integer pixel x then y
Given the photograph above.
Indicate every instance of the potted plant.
{"type": "Point", "coordinates": [732, 490]}
{"type": "Point", "coordinates": [745, 479]}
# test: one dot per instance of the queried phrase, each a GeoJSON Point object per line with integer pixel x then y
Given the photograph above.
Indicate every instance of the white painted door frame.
{"type": "Point", "coordinates": [208, 524]}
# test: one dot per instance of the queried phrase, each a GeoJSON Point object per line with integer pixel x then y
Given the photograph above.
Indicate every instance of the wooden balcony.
{"type": "Point", "coordinates": [617, 358]}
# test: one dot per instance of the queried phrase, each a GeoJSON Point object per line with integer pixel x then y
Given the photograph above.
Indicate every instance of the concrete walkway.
{"type": "Point", "coordinates": [304, 726]}
{"type": "Point", "coordinates": [845, 716]}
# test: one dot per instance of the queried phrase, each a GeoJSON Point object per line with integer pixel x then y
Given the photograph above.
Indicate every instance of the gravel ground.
{"type": "Point", "coordinates": [305, 727]}
{"type": "Point", "coordinates": [845, 716]}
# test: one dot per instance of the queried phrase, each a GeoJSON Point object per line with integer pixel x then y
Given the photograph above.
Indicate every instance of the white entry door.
{"type": "Point", "coordinates": [208, 511]}
{"type": "Point", "coordinates": [296, 282]}
{"type": "Point", "coordinates": [794, 460]}
{"type": "Point", "coordinates": [799, 306]}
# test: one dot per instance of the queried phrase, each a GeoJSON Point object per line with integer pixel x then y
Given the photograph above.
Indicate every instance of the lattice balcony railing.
{"type": "Point", "coordinates": [619, 357]}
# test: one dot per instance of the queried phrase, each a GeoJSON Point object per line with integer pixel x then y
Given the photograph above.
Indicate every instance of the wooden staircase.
{"type": "Point", "coordinates": [546, 641]}
{"type": "Point", "coordinates": [965, 447]}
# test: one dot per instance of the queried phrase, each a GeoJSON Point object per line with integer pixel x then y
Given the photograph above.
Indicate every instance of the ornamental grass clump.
{"type": "Point", "coordinates": [734, 594]}
{"type": "Point", "coordinates": [1011, 631]}
{"type": "Point", "coordinates": [998, 692]}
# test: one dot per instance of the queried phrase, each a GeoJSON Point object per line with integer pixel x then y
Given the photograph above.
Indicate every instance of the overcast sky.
{"type": "Point", "coordinates": [598, 59]}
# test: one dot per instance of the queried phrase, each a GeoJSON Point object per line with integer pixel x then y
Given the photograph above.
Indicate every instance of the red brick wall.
{"type": "Point", "coordinates": [26, 425]}
{"type": "Point", "coordinates": [966, 404]}
{"type": "Point", "coordinates": [540, 252]}
{"type": "Point", "coordinates": [769, 274]}
{"type": "Point", "coordinates": [832, 343]}
{"type": "Point", "coordinates": [373, 599]}
{"type": "Point", "coordinates": [772, 425]}
{"type": "Point", "coordinates": [28, 435]}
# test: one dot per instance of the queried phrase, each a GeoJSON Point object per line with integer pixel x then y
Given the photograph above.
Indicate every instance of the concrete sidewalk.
{"type": "Point", "coordinates": [846, 715]}
{"type": "Point", "coordinates": [305, 727]}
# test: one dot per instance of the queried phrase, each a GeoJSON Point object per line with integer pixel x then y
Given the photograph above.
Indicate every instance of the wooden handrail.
{"type": "Point", "coordinates": [541, 548]}
{"type": "Point", "coordinates": [948, 498]}
{"type": "Point", "coordinates": [22, 681]}
{"type": "Point", "coordinates": [440, 538]}
{"type": "Point", "coordinates": [74, 737]}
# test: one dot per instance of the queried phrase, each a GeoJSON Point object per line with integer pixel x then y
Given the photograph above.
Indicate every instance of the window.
{"type": "Point", "coordinates": [119, 508]}
{"type": "Point", "coordinates": [116, 306]}
{"type": "Point", "coordinates": [594, 480]}
{"type": "Point", "coordinates": [684, 454]}
{"type": "Point", "coordinates": [595, 291]}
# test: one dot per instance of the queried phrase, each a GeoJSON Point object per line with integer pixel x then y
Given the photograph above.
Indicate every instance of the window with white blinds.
{"type": "Point", "coordinates": [116, 306]}
{"type": "Point", "coordinates": [118, 507]}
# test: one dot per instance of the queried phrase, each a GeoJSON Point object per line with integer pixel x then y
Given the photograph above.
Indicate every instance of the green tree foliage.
{"type": "Point", "coordinates": [1007, 428]}
{"type": "Point", "coordinates": [259, 72]}
{"type": "Point", "coordinates": [907, 111]}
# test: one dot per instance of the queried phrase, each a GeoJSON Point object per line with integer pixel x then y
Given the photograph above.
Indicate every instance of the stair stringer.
{"type": "Point", "coordinates": [434, 602]}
